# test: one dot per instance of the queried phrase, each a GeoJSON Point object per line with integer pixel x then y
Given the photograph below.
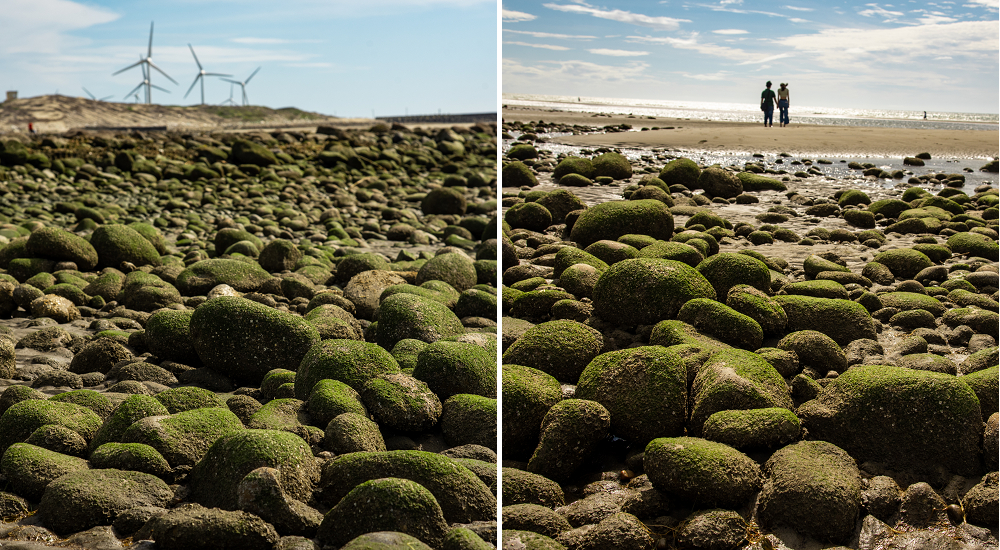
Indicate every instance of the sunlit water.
{"type": "Point", "coordinates": [748, 112]}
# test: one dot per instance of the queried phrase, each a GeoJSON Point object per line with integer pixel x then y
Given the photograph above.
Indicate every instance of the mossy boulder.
{"type": "Point", "coordinates": [527, 394]}
{"type": "Point", "coordinates": [814, 265]}
{"type": "Point", "coordinates": [146, 292]}
{"type": "Point", "coordinates": [279, 255]}
{"type": "Point", "coordinates": [382, 505]}
{"type": "Point", "coordinates": [454, 268]}
{"type": "Point", "coordinates": [815, 349]}
{"type": "Point", "coordinates": [450, 368]}
{"type": "Point", "coordinates": [735, 379]}
{"type": "Point", "coordinates": [523, 487]}
{"type": "Point", "coordinates": [191, 525]}
{"type": "Point", "coordinates": [463, 496]}
{"type": "Point", "coordinates": [974, 244]}
{"type": "Point", "coordinates": [573, 165]}
{"type": "Point", "coordinates": [352, 432]}
{"type": "Point", "coordinates": [129, 411]}
{"type": "Point", "coordinates": [718, 182]}
{"type": "Point", "coordinates": [97, 402]}
{"type": "Point", "coordinates": [243, 339]}
{"type": "Point", "coordinates": [185, 437]}
{"type": "Point", "coordinates": [61, 245]}
{"type": "Point", "coordinates": [534, 518]}
{"type": "Point", "coordinates": [444, 200]}
{"type": "Point", "coordinates": [30, 469]}
{"type": "Point", "coordinates": [722, 322]}
{"type": "Point", "coordinates": [676, 333]}
{"type": "Point", "coordinates": [682, 171]}
{"type": "Point", "coordinates": [757, 182]}
{"type": "Point", "coordinates": [760, 307]}
{"type": "Point", "coordinates": [247, 152]}
{"type": "Point", "coordinates": [753, 429]}
{"type": "Point", "coordinates": [643, 291]}
{"type": "Point", "coordinates": [403, 316]}
{"type": "Point", "coordinates": [890, 414]}
{"type": "Point", "coordinates": [115, 243]}
{"type": "Point", "coordinates": [130, 456]}
{"type": "Point", "coordinates": [610, 220]}
{"type": "Point", "coordinates": [701, 470]}
{"type": "Point", "coordinates": [813, 487]}
{"type": "Point", "coordinates": [569, 255]}
{"type": "Point", "coordinates": [401, 402]}
{"type": "Point", "coordinates": [349, 361]}
{"type": "Point", "coordinates": [229, 236]}
{"type": "Point", "coordinates": [80, 500]}
{"type": "Point", "coordinates": [20, 420]}
{"type": "Point", "coordinates": [559, 203]}
{"type": "Point", "coordinates": [107, 285]}
{"type": "Point", "coordinates": [561, 348]}
{"type": "Point", "coordinates": [644, 389]}
{"type": "Point", "coordinates": [215, 478]}
{"type": "Point", "coordinates": [908, 301]}
{"type": "Point", "coordinates": [200, 277]}
{"type": "Point", "coordinates": [469, 420]}
{"type": "Point", "coordinates": [517, 174]}
{"type": "Point", "coordinates": [613, 165]}
{"type": "Point", "coordinates": [726, 270]}
{"type": "Point", "coordinates": [167, 336]}
{"type": "Point", "coordinates": [820, 288]}
{"type": "Point", "coordinates": [842, 320]}
{"type": "Point", "coordinates": [669, 250]}
{"type": "Point", "coordinates": [528, 539]}
{"type": "Point", "coordinates": [904, 263]}
{"type": "Point", "coordinates": [331, 398]}
{"type": "Point", "coordinates": [528, 215]}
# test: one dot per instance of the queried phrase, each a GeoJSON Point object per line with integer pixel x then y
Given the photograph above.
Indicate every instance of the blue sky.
{"type": "Point", "coordinates": [935, 56]}
{"type": "Point", "coordinates": [338, 57]}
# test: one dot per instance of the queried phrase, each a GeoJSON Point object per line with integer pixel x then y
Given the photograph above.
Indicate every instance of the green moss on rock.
{"type": "Point", "coordinates": [647, 290]}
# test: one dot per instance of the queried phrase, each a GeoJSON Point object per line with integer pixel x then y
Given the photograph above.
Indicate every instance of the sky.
{"type": "Point", "coordinates": [336, 57]}
{"type": "Point", "coordinates": [934, 56]}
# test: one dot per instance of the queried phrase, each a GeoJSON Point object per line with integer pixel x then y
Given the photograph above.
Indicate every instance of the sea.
{"type": "Point", "coordinates": [747, 112]}
{"type": "Point", "coordinates": [750, 112]}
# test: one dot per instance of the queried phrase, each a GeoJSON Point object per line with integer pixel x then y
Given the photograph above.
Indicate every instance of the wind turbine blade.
{"type": "Point", "coordinates": [217, 74]}
{"type": "Point", "coordinates": [192, 86]}
{"type": "Point", "coordinates": [134, 90]}
{"type": "Point", "coordinates": [127, 68]}
{"type": "Point", "coordinates": [200, 68]}
{"type": "Point", "coordinates": [153, 65]}
{"type": "Point", "coordinates": [105, 98]}
{"type": "Point", "coordinates": [233, 81]}
{"type": "Point", "coordinates": [247, 81]}
{"type": "Point", "coordinates": [88, 93]}
{"type": "Point", "coordinates": [159, 88]}
{"type": "Point", "coordinates": [150, 54]}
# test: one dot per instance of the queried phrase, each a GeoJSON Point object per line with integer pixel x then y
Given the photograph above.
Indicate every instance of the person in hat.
{"type": "Point", "coordinates": [767, 102]}
{"type": "Point", "coordinates": [783, 104]}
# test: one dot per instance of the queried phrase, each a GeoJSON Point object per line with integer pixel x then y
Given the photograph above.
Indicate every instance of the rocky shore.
{"type": "Point", "coordinates": [260, 340]}
{"type": "Point", "coordinates": [756, 355]}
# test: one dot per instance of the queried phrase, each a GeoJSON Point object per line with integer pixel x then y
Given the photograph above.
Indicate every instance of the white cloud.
{"type": "Point", "coordinates": [511, 16]}
{"type": "Point", "coordinates": [691, 43]}
{"type": "Point", "coordinates": [41, 26]}
{"type": "Point", "coordinates": [936, 19]}
{"type": "Point", "coordinates": [657, 23]}
{"type": "Point", "coordinates": [552, 35]}
{"type": "Point", "coordinates": [875, 10]}
{"type": "Point", "coordinates": [798, 20]}
{"type": "Point", "coordinates": [617, 53]}
{"type": "Point", "coordinates": [721, 75]}
{"type": "Point", "coordinates": [797, 8]}
{"type": "Point", "coordinates": [541, 46]}
{"type": "Point", "coordinates": [989, 4]}
{"type": "Point", "coordinates": [583, 72]}
{"type": "Point", "coordinates": [767, 59]}
{"type": "Point", "coordinates": [731, 31]}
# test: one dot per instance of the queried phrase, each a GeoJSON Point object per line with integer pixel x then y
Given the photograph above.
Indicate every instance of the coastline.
{"type": "Point", "coordinates": [737, 137]}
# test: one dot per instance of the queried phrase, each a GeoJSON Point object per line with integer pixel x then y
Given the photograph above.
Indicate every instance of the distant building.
{"type": "Point", "coordinates": [11, 94]}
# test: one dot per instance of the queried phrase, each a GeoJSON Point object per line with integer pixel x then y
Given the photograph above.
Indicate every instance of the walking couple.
{"type": "Point", "coordinates": [768, 99]}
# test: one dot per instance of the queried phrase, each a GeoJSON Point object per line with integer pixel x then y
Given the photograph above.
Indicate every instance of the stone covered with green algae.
{"type": "Point", "coordinates": [676, 333]}
{"type": "Point", "coordinates": [722, 322]}
{"type": "Point", "coordinates": [244, 340]}
{"type": "Point", "coordinates": [352, 432]}
{"type": "Point", "coordinates": [644, 389]}
{"type": "Point", "coordinates": [129, 411]}
{"type": "Point", "coordinates": [906, 301]}
{"type": "Point", "coordinates": [974, 244]}
{"type": "Point", "coordinates": [842, 320]}
{"type": "Point", "coordinates": [382, 504]}
{"type": "Point", "coordinates": [130, 456]}
{"type": "Point", "coordinates": [185, 437]}
{"type": "Point", "coordinates": [574, 165]}
{"type": "Point", "coordinates": [451, 368]}
{"type": "Point", "coordinates": [191, 525]}
{"type": "Point", "coordinates": [816, 350]}
{"type": "Point", "coordinates": [669, 250]}
{"type": "Point", "coordinates": [81, 500]}
{"type": "Point", "coordinates": [644, 291]}
{"type": "Point", "coordinates": [116, 243]}
{"type": "Point", "coordinates": [469, 419]}
{"type": "Point", "coordinates": [570, 431]}
{"type": "Point", "coordinates": [523, 487]}
{"type": "Point", "coordinates": [215, 478]}
{"type": "Point", "coordinates": [735, 379]}
{"type": "Point", "coordinates": [529, 540]}
{"type": "Point", "coordinates": [611, 220]}
{"type": "Point", "coordinates": [463, 497]}
{"type": "Point", "coordinates": [814, 487]}
{"type": "Point", "coordinates": [401, 402]}
{"type": "Point", "coordinates": [760, 307]}
{"type": "Point", "coordinates": [330, 398]}
{"type": "Point", "coordinates": [200, 277]}
{"type": "Point", "coordinates": [527, 394]}
{"type": "Point", "coordinates": [681, 171]}
{"type": "Point", "coordinates": [904, 263]}
{"type": "Point", "coordinates": [349, 361]}
{"type": "Point", "coordinates": [767, 428]}
{"type": "Point", "coordinates": [701, 470]}
{"type": "Point", "coordinates": [984, 384]}
{"type": "Point", "coordinates": [569, 255]}
{"type": "Point", "coordinates": [61, 245]}
{"type": "Point", "coordinates": [167, 336]}
{"type": "Point", "coordinates": [405, 316]}
{"type": "Point", "coordinates": [91, 399]}
{"type": "Point", "coordinates": [454, 268]}
{"type": "Point", "coordinates": [905, 419]}
{"type": "Point", "coordinates": [29, 469]}
{"type": "Point", "coordinates": [23, 418]}
{"type": "Point", "coordinates": [726, 270]}
{"type": "Point", "coordinates": [561, 348]}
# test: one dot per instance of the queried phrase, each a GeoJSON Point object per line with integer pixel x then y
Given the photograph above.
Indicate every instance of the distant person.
{"type": "Point", "coordinates": [767, 102]}
{"type": "Point", "coordinates": [925, 115]}
{"type": "Point", "coordinates": [31, 128]}
{"type": "Point", "coordinates": [783, 105]}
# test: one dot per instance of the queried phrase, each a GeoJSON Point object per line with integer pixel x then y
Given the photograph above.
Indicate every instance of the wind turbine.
{"type": "Point", "coordinates": [201, 76]}
{"type": "Point", "coordinates": [145, 82]}
{"type": "Point", "coordinates": [230, 100]}
{"type": "Point", "coordinates": [243, 86]}
{"type": "Point", "coordinates": [147, 63]}
{"type": "Point", "coordinates": [94, 98]}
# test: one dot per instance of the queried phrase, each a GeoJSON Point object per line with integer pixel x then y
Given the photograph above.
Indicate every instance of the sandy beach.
{"type": "Point", "coordinates": [796, 139]}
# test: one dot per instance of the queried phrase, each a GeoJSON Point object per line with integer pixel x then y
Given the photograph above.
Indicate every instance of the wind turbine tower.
{"type": "Point", "coordinates": [145, 84]}
{"type": "Point", "coordinates": [243, 86]}
{"type": "Point", "coordinates": [147, 64]}
{"type": "Point", "coordinates": [202, 73]}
